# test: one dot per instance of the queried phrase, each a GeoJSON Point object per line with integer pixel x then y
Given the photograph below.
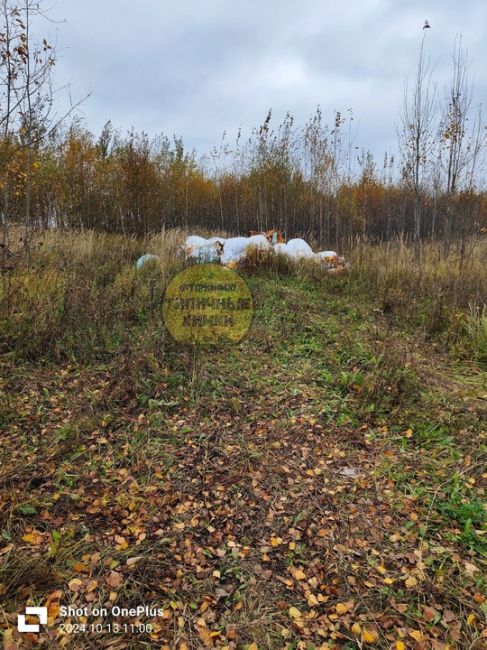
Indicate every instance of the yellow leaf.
{"type": "Point", "coordinates": [75, 584]}
{"type": "Point", "coordinates": [409, 433]}
{"type": "Point", "coordinates": [470, 619]}
{"type": "Point", "coordinates": [8, 640]}
{"type": "Point", "coordinates": [312, 600]}
{"type": "Point", "coordinates": [34, 538]}
{"type": "Point", "coordinates": [253, 646]}
{"type": "Point", "coordinates": [205, 636]}
{"type": "Point", "coordinates": [381, 569]}
{"type": "Point", "coordinates": [91, 586]}
{"type": "Point", "coordinates": [400, 645]}
{"type": "Point", "coordinates": [411, 582]}
{"type": "Point", "coordinates": [417, 636]}
{"type": "Point", "coordinates": [369, 636]}
{"type": "Point", "coordinates": [388, 581]}
{"type": "Point", "coordinates": [294, 613]}
{"type": "Point", "coordinates": [299, 575]}
{"type": "Point", "coordinates": [341, 608]}
{"type": "Point", "coordinates": [204, 606]}
{"type": "Point", "coordinates": [53, 605]}
{"type": "Point", "coordinates": [356, 629]}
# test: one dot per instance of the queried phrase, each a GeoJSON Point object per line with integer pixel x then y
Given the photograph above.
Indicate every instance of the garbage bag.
{"type": "Point", "coordinates": [298, 248]}
{"type": "Point", "coordinates": [234, 249]}
{"type": "Point", "coordinates": [146, 258]}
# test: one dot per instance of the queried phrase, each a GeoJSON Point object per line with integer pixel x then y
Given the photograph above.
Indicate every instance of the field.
{"type": "Point", "coordinates": [319, 485]}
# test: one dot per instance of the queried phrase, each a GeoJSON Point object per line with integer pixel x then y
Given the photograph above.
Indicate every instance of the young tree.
{"type": "Point", "coordinates": [416, 138]}
{"type": "Point", "coordinates": [27, 115]}
{"type": "Point", "coordinates": [462, 138]}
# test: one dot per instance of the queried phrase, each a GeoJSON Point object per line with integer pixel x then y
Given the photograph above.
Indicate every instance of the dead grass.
{"type": "Point", "coordinates": [86, 296]}
{"type": "Point", "coordinates": [250, 482]}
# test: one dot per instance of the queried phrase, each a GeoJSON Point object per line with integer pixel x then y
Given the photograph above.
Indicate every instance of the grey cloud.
{"type": "Point", "coordinates": [198, 67]}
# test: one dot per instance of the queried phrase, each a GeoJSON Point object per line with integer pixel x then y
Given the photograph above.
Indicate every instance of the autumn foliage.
{"type": "Point", "coordinates": [133, 184]}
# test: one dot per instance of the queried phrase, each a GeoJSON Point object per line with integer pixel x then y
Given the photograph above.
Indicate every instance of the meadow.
{"type": "Point", "coordinates": [319, 485]}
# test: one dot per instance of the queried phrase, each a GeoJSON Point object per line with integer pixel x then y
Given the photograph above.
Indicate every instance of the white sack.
{"type": "Point", "coordinates": [144, 259]}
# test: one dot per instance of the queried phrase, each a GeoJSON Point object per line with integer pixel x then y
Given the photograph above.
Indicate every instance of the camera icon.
{"type": "Point", "coordinates": [40, 612]}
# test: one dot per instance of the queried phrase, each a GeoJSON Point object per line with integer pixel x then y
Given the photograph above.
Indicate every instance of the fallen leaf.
{"type": "Point", "coordinates": [53, 605]}
{"type": "Point", "coordinates": [115, 579]}
{"type": "Point", "coordinates": [33, 538]}
{"type": "Point", "coordinates": [341, 608]}
{"type": "Point", "coordinates": [411, 582]}
{"type": "Point", "coordinates": [369, 635]}
{"type": "Point", "coordinates": [8, 640]}
{"type": "Point", "coordinates": [416, 635]}
{"type": "Point", "coordinates": [312, 601]}
{"type": "Point", "coordinates": [356, 629]}
{"type": "Point", "coordinates": [471, 569]}
{"type": "Point", "coordinates": [430, 613]}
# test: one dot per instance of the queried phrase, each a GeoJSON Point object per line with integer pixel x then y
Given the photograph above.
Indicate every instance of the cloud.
{"type": "Point", "coordinates": [199, 67]}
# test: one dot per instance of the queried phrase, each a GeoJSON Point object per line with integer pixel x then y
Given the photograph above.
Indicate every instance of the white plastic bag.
{"type": "Point", "coordinates": [146, 258]}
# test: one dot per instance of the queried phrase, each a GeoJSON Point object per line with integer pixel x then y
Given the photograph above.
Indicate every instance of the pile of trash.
{"type": "Point", "coordinates": [230, 252]}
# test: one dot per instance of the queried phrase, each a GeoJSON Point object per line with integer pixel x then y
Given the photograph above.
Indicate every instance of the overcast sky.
{"type": "Point", "coordinates": [196, 68]}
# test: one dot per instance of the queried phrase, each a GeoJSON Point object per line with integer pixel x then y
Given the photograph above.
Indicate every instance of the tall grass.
{"type": "Point", "coordinates": [78, 293]}
{"type": "Point", "coordinates": [397, 269]}
{"type": "Point", "coordinates": [445, 298]}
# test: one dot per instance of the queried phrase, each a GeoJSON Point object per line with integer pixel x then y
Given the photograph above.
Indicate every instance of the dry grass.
{"type": "Point", "coordinates": [74, 293]}
{"type": "Point", "coordinates": [394, 267]}
{"type": "Point", "coordinates": [319, 445]}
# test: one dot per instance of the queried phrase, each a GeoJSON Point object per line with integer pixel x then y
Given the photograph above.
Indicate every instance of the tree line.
{"type": "Point", "coordinates": [303, 179]}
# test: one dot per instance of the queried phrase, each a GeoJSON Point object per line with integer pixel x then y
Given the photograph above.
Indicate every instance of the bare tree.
{"type": "Point", "coordinates": [27, 115]}
{"type": "Point", "coordinates": [462, 138]}
{"type": "Point", "coordinates": [416, 138]}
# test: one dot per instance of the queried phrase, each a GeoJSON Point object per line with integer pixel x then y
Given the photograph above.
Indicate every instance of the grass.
{"type": "Point", "coordinates": [319, 485]}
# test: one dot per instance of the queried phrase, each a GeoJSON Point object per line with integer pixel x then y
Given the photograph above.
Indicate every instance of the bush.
{"type": "Point", "coordinates": [78, 293]}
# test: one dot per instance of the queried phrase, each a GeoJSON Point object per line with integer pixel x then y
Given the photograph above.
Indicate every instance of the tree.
{"type": "Point", "coordinates": [416, 138]}
{"type": "Point", "coordinates": [462, 138]}
{"type": "Point", "coordinates": [27, 115]}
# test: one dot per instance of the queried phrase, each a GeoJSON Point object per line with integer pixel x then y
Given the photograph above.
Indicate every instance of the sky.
{"type": "Point", "coordinates": [197, 68]}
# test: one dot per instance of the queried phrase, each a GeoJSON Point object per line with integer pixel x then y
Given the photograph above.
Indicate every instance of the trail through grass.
{"type": "Point", "coordinates": [320, 485]}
